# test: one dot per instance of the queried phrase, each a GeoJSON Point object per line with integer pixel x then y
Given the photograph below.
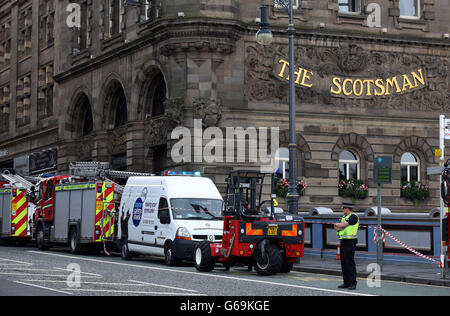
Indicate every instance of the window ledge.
{"type": "Point", "coordinates": [352, 15]}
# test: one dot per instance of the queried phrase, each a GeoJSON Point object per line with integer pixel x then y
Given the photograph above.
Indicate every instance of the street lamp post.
{"type": "Point", "coordinates": [264, 37]}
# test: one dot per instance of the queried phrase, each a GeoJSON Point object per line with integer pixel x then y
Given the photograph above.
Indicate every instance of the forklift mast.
{"type": "Point", "coordinates": [244, 194]}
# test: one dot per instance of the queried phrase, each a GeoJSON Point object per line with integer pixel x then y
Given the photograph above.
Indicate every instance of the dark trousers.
{"type": "Point", "coordinates": [348, 265]}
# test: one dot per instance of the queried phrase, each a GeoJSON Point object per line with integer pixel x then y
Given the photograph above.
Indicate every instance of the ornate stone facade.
{"type": "Point", "coordinates": [114, 87]}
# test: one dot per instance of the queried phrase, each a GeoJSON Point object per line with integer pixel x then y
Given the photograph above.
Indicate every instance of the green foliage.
{"type": "Point", "coordinates": [415, 191]}
{"type": "Point", "coordinates": [354, 189]}
{"type": "Point", "coordinates": [282, 187]}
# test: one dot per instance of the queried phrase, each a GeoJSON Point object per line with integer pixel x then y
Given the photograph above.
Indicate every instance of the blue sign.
{"type": "Point", "coordinates": [137, 212]}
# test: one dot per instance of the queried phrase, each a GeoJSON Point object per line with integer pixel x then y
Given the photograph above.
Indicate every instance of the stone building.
{"type": "Point", "coordinates": [99, 80]}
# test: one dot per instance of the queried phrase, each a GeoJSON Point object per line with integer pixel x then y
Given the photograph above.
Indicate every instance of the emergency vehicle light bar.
{"type": "Point", "coordinates": [182, 173]}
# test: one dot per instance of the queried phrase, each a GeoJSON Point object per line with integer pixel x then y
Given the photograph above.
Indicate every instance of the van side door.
{"type": "Point", "coordinates": [150, 221]}
{"type": "Point", "coordinates": [163, 222]}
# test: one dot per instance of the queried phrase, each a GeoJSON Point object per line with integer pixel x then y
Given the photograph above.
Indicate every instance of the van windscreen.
{"type": "Point", "coordinates": [199, 209]}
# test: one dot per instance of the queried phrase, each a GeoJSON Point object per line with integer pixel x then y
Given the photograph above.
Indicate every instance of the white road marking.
{"type": "Point", "coordinates": [81, 272]}
{"type": "Point", "coordinates": [43, 287]}
{"type": "Point", "coordinates": [14, 262]}
{"type": "Point", "coordinates": [43, 274]}
{"type": "Point", "coordinates": [164, 286]}
{"type": "Point", "coordinates": [137, 292]}
{"type": "Point", "coordinates": [202, 274]}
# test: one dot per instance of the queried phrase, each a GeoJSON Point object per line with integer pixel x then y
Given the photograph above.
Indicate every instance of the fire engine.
{"type": "Point", "coordinates": [15, 210]}
{"type": "Point", "coordinates": [76, 209]}
{"type": "Point", "coordinates": [79, 209]}
{"type": "Point", "coordinates": [253, 234]}
{"type": "Point", "coordinates": [445, 194]}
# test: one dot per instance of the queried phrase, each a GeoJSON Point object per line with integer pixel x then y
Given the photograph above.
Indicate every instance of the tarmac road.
{"type": "Point", "coordinates": [27, 271]}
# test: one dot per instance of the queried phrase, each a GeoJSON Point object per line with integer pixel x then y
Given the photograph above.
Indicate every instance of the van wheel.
{"type": "Point", "coordinates": [126, 255]}
{"type": "Point", "coordinates": [169, 256]}
{"type": "Point", "coordinates": [204, 261]}
{"type": "Point", "coordinates": [270, 263]}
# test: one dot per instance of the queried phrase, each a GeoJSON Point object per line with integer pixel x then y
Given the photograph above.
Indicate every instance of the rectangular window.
{"type": "Point", "coordinates": [350, 6]}
{"type": "Point", "coordinates": [47, 21]}
{"type": "Point", "coordinates": [5, 44]}
{"type": "Point", "coordinates": [45, 92]}
{"type": "Point", "coordinates": [404, 173]}
{"type": "Point", "coordinates": [115, 16]}
{"type": "Point", "coordinates": [409, 8]}
{"type": "Point", "coordinates": [279, 4]}
{"type": "Point", "coordinates": [4, 109]}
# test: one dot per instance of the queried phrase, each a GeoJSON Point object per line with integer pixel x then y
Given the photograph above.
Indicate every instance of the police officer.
{"type": "Point", "coordinates": [347, 231]}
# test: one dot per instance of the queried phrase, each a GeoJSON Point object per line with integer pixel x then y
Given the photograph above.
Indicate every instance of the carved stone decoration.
{"type": "Point", "coordinates": [117, 141]}
{"type": "Point", "coordinates": [174, 110]}
{"type": "Point", "coordinates": [84, 149]}
{"type": "Point", "coordinates": [209, 111]}
{"type": "Point", "coordinates": [157, 131]}
{"type": "Point", "coordinates": [264, 83]}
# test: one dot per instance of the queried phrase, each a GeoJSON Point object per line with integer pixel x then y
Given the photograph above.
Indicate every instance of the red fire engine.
{"type": "Point", "coordinates": [79, 209]}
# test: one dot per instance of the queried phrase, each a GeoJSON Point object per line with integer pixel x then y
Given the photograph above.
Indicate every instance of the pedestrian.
{"type": "Point", "coordinates": [347, 231]}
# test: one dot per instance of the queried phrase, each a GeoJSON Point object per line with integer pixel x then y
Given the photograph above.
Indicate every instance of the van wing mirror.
{"type": "Point", "coordinates": [164, 217]}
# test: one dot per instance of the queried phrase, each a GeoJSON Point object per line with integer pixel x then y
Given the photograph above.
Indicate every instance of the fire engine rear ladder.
{"type": "Point", "coordinates": [17, 181]}
{"type": "Point", "coordinates": [100, 170]}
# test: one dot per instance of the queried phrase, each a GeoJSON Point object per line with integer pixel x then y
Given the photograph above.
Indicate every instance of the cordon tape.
{"type": "Point", "coordinates": [384, 233]}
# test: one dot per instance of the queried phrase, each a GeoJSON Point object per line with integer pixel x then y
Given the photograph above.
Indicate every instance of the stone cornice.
{"type": "Point", "coordinates": [171, 36]}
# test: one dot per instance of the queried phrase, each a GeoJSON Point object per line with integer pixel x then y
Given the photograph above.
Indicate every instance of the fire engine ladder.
{"type": "Point", "coordinates": [100, 170]}
{"type": "Point", "coordinates": [17, 181]}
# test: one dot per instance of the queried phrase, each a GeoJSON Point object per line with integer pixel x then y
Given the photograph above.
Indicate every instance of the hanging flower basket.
{"type": "Point", "coordinates": [354, 189]}
{"type": "Point", "coordinates": [282, 187]}
{"type": "Point", "coordinates": [415, 191]}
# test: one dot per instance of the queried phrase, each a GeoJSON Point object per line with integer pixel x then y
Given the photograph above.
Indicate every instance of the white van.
{"type": "Point", "coordinates": [167, 216]}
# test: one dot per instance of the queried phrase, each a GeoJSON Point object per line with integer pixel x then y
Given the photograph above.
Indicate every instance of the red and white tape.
{"type": "Point", "coordinates": [384, 233]}
{"type": "Point", "coordinates": [405, 246]}
{"type": "Point", "coordinates": [375, 235]}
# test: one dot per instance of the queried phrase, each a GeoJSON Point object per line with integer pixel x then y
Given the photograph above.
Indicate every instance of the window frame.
{"type": "Point", "coordinates": [284, 161]}
{"type": "Point", "coordinates": [348, 162]}
{"type": "Point", "coordinates": [295, 5]}
{"type": "Point", "coordinates": [412, 17]}
{"type": "Point", "coordinates": [408, 167]}
{"type": "Point", "coordinates": [358, 3]}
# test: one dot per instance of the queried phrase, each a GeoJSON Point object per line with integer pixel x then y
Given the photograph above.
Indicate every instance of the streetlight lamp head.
{"type": "Point", "coordinates": [264, 35]}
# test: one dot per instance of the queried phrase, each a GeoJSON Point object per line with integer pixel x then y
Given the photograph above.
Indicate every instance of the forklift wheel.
{"type": "Point", "coordinates": [271, 263]}
{"type": "Point", "coordinates": [204, 262]}
{"type": "Point", "coordinates": [286, 267]}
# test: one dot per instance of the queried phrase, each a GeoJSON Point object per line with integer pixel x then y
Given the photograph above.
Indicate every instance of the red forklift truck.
{"type": "Point", "coordinates": [253, 233]}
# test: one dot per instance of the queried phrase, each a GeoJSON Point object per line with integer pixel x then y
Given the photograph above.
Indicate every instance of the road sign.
{"type": "Point", "coordinates": [382, 170]}
{"type": "Point", "coordinates": [434, 170]}
{"type": "Point", "coordinates": [446, 128]}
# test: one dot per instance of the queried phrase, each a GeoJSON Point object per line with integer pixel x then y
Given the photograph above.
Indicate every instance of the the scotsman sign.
{"type": "Point", "coordinates": [358, 87]}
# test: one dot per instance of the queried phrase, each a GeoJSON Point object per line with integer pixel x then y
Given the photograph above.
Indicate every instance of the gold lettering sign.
{"type": "Point", "coordinates": [358, 87]}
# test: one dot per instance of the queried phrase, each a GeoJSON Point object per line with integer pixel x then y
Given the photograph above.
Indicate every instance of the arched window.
{"type": "Point", "coordinates": [282, 161]}
{"type": "Point", "coordinates": [348, 166]}
{"type": "Point", "coordinates": [121, 117]}
{"type": "Point", "coordinates": [159, 96]}
{"type": "Point", "coordinates": [410, 167]}
{"type": "Point", "coordinates": [83, 123]}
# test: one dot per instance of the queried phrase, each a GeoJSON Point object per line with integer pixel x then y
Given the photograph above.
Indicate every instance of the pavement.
{"type": "Point", "coordinates": [411, 272]}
